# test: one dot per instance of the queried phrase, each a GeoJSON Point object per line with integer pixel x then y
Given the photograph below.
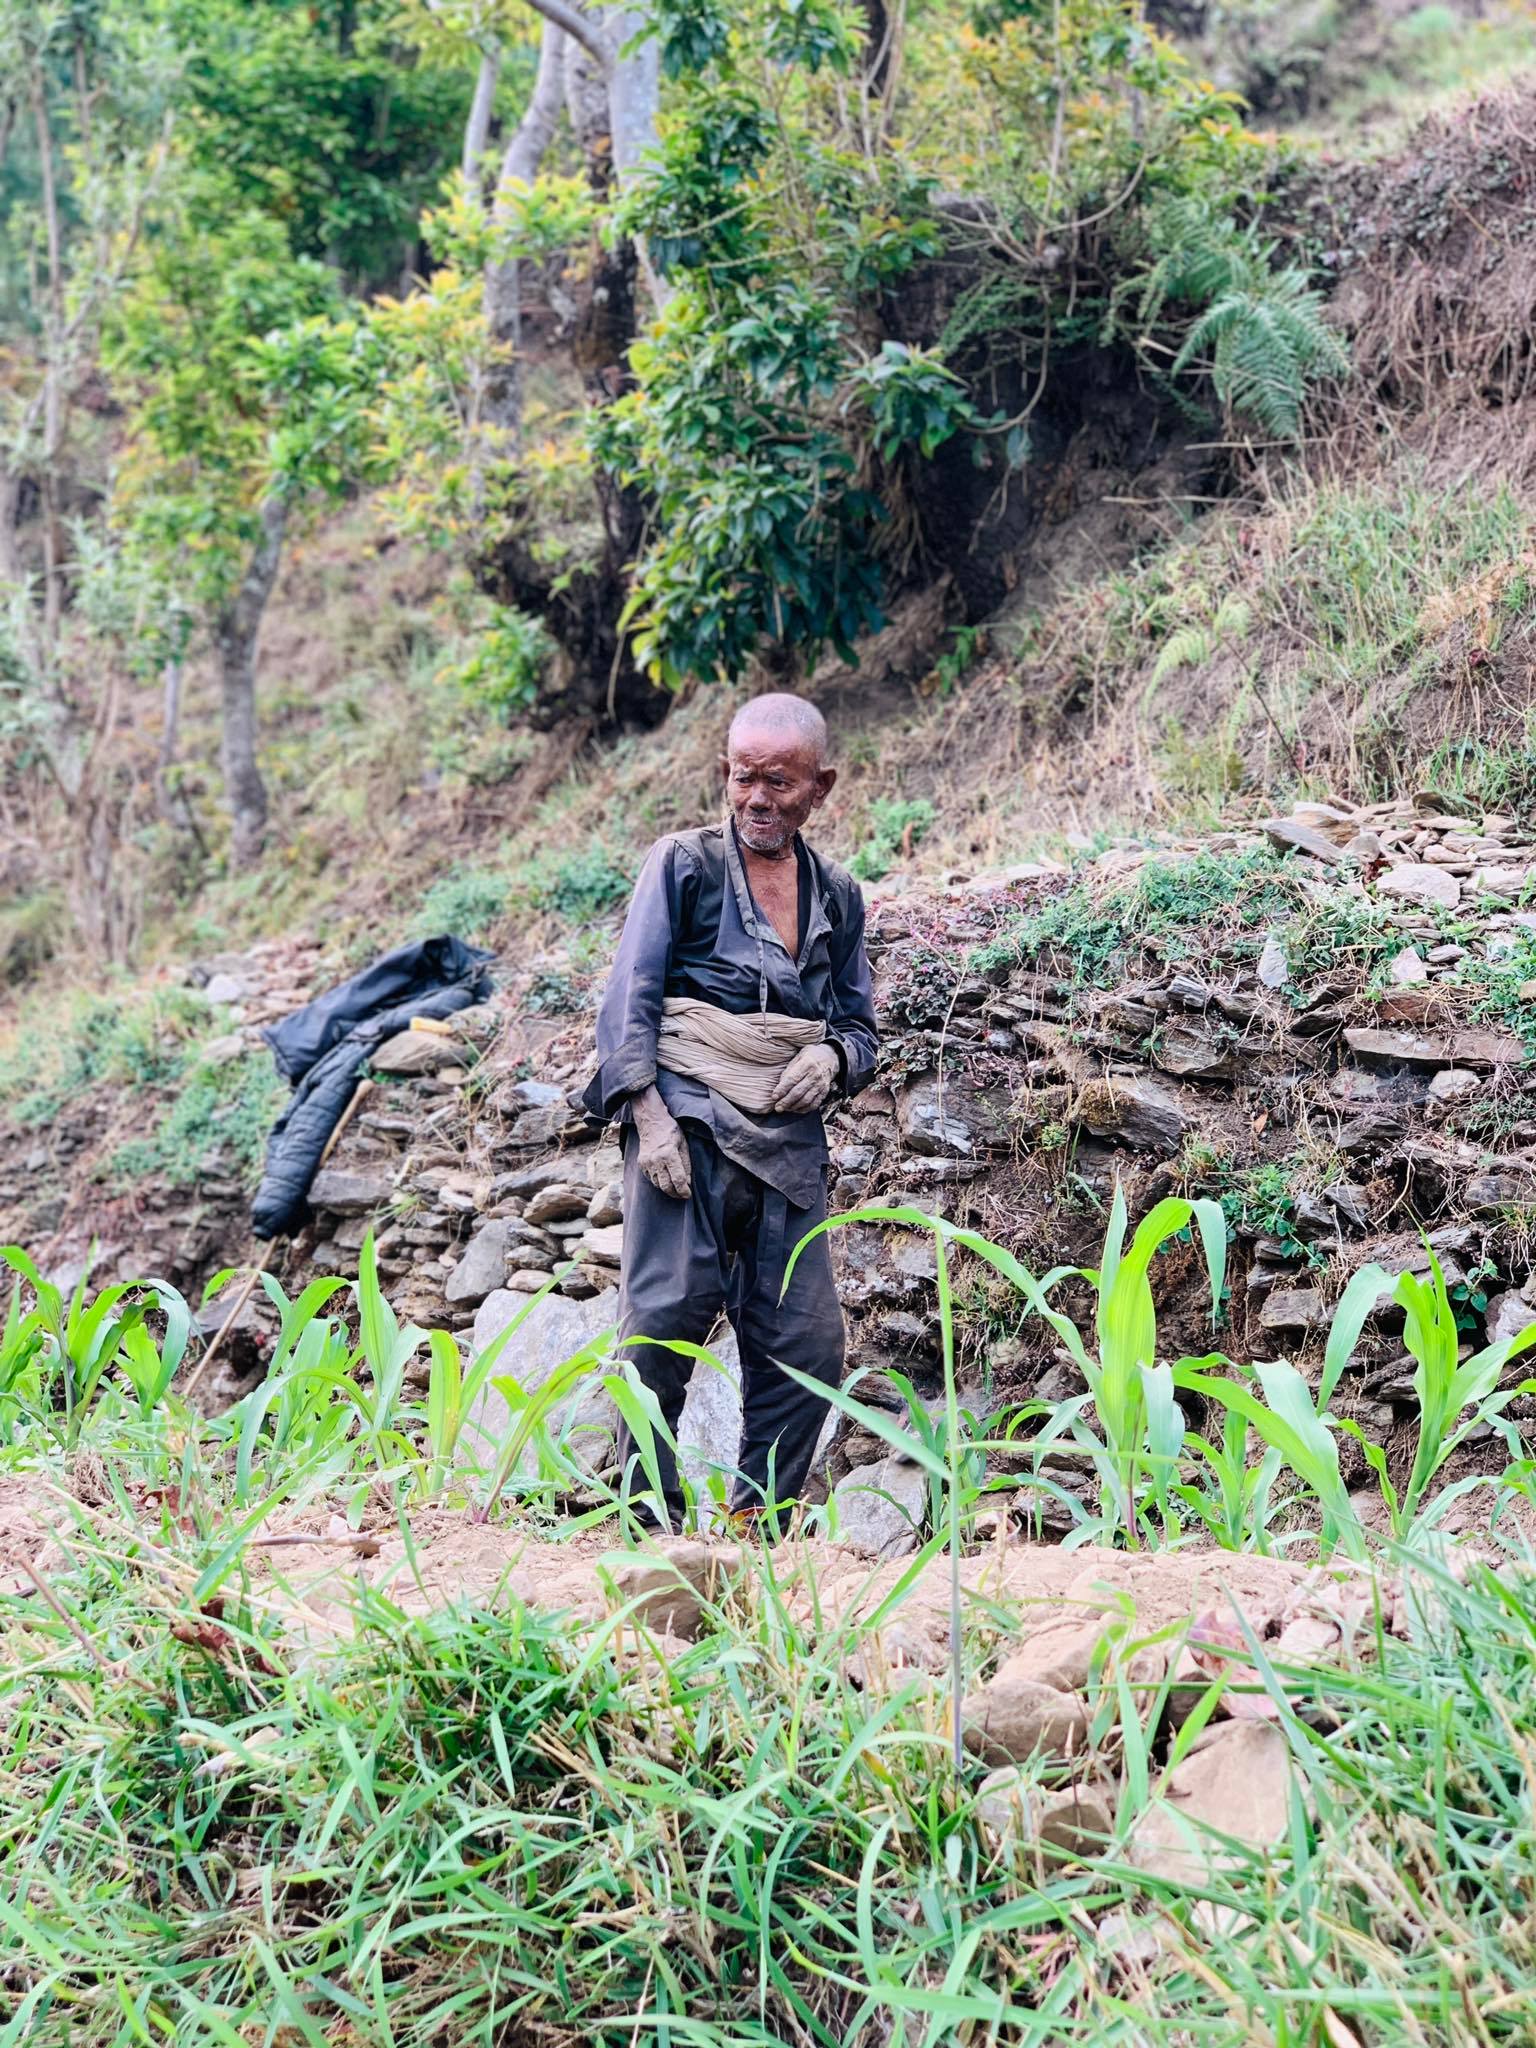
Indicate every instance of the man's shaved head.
{"type": "Point", "coordinates": [775, 770]}
{"type": "Point", "coordinates": [778, 711]}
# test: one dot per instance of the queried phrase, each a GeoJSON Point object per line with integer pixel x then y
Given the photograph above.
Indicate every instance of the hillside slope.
{"type": "Point", "coordinates": [1352, 624]}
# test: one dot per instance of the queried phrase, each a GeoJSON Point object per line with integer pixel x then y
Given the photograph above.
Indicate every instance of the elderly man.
{"type": "Point", "coordinates": [738, 1005]}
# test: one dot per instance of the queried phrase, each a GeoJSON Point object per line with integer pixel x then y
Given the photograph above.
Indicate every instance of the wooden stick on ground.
{"type": "Point", "coordinates": [247, 1289]}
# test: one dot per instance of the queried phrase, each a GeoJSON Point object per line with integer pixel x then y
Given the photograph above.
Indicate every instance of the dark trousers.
{"type": "Point", "coordinates": [726, 1248]}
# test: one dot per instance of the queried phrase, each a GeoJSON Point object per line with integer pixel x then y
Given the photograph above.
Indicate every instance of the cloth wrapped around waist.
{"type": "Point", "coordinates": [741, 1058]}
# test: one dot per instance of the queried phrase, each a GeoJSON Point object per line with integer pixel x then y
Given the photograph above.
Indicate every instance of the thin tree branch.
{"type": "Point", "coordinates": [576, 26]}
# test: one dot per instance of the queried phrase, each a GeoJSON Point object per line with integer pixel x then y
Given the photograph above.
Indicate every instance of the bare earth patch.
{"type": "Point", "coordinates": [450, 1560]}
{"type": "Point", "coordinates": [30, 1512]}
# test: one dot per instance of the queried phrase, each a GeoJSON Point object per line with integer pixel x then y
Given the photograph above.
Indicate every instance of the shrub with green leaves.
{"type": "Point", "coordinates": [467, 901]}
{"type": "Point", "coordinates": [766, 423]}
{"type": "Point", "coordinates": [504, 669]}
{"type": "Point", "coordinates": [578, 885]}
{"type": "Point", "coordinates": [895, 826]}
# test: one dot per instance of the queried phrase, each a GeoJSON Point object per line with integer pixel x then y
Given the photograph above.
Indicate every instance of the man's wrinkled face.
{"type": "Point", "coordinates": [773, 782]}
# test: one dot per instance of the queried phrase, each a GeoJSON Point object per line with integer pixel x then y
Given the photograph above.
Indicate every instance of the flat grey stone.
{"type": "Point", "coordinates": [229, 988]}
{"type": "Point", "coordinates": [1274, 968]}
{"type": "Point", "coordinates": [1454, 1084]}
{"type": "Point", "coordinates": [481, 1269]}
{"type": "Point", "coordinates": [1133, 1109]}
{"type": "Point", "coordinates": [1294, 1308]}
{"type": "Point", "coordinates": [347, 1193]}
{"type": "Point", "coordinates": [1292, 834]}
{"type": "Point", "coordinates": [554, 1330]}
{"type": "Point", "coordinates": [416, 1052]}
{"type": "Point", "coordinates": [561, 1201]}
{"type": "Point", "coordinates": [709, 1434]}
{"type": "Point", "coordinates": [880, 1507]}
{"type": "Point", "coordinates": [528, 1180]}
{"type": "Point", "coordinates": [1508, 1315]}
{"type": "Point", "coordinates": [603, 1247]}
{"type": "Point", "coordinates": [536, 1094]}
{"type": "Point", "coordinates": [1420, 882]}
{"type": "Point", "coordinates": [1407, 969]}
{"type": "Point", "coordinates": [1470, 1048]}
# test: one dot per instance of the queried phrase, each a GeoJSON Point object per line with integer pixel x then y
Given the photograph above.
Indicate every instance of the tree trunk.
{"type": "Point", "coordinates": [236, 631]}
{"type": "Point", "coordinates": [634, 101]}
{"type": "Point", "coordinates": [11, 570]}
{"type": "Point", "coordinates": [587, 107]}
{"type": "Point", "coordinates": [634, 93]}
{"type": "Point", "coordinates": [879, 40]}
{"type": "Point", "coordinates": [53, 368]}
{"type": "Point", "coordinates": [502, 402]}
{"type": "Point", "coordinates": [477, 129]}
{"type": "Point", "coordinates": [103, 907]}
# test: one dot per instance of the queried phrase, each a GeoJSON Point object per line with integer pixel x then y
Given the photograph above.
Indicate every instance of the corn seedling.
{"type": "Point", "coordinates": [1447, 1391]}
{"type": "Point", "coordinates": [87, 1341]}
{"type": "Point", "coordinates": [1236, 1505]}
{"type": "Point", "coordinates": [949, 1470]}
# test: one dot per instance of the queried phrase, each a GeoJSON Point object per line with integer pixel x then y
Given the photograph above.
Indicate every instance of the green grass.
{"type": "Point", "coordinates": [895, 826]}
{"type": "Point", "coordinates": [135, 1038]}
{"type": "Point", "coordinates": [1327, 589]}
{"type": "Point", "coordinates": [1208, 909]}
{"type": "Point", "coordinates": [1429, 54]}
{"type": "Point", "coordinates": [32, 929]}
{"type": "Point", "coordinates": [1344, 571]}
{"type": "Point", "coordinates": [493, 1825]}
{"type": "Point", "coordinates": [481, 1827]}
{"type": "Point", "coordinates": [145, 1044]}
{"type": "Point", "coordinates": [452, 1831]}
{"type": "Point", "coordinates": [467, 901]}
{"type": "Point", "coordinates": [220, 1116]}
{"type": "Point", "coordinates": [1499, 775]}
{"type": "Point", "coordinates": [1361, 565]}
{"type": "Point", "coordinates": [576, 885]}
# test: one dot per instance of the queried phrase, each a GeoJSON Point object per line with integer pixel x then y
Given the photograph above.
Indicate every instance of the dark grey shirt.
{"type": "Point", "coordinates": [693, 929]}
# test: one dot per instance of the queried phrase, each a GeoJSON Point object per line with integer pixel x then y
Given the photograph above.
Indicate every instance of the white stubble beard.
{"type": "Point", "coordinates": [775, 851]}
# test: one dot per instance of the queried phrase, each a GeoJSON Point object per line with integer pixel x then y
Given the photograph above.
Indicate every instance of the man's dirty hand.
{"type": "Point", "coordinates": [808, 1080]}
{"type": "Point", "coordinates": [663, 1156]}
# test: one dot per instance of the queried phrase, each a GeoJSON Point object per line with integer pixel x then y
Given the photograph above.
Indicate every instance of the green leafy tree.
{"type": "Point", "coordinates": [249, 393]}
{"type": "Point", "coordinates": [89, 93]}
{"type": "Point", "coordinates": [771, 423]}
{"type": "Point", "coordinates": [337, 118]}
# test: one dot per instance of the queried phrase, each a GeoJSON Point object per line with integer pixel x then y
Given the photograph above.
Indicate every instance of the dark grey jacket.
{"type": "Point", "coordinates": [694, 930]}
{"type": "Point", "coordinates": [325, 1046]}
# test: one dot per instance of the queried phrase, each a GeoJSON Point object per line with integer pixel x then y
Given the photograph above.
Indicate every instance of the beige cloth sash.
{"type": "Point", "coordinates": [741, 1058]}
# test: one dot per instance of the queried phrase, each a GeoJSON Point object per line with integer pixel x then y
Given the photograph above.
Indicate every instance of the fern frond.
{"type": "Point", "coordinates": [1190, 647]}
{"type": "Point", "coordinates": [1260, 333]}
{"type": "Point", "coordinates": [1233, 618]}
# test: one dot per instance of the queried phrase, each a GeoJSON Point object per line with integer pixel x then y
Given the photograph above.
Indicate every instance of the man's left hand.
{"type": "Point", "coordinates": [808, 1079]}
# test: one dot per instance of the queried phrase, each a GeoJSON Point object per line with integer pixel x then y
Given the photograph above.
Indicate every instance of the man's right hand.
{"type": "Point", "coordinates": [663, 1156]}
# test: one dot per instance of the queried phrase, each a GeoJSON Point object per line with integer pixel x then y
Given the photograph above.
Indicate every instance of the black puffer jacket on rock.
{"type": "Point", "coordinates": [323, 1048]}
